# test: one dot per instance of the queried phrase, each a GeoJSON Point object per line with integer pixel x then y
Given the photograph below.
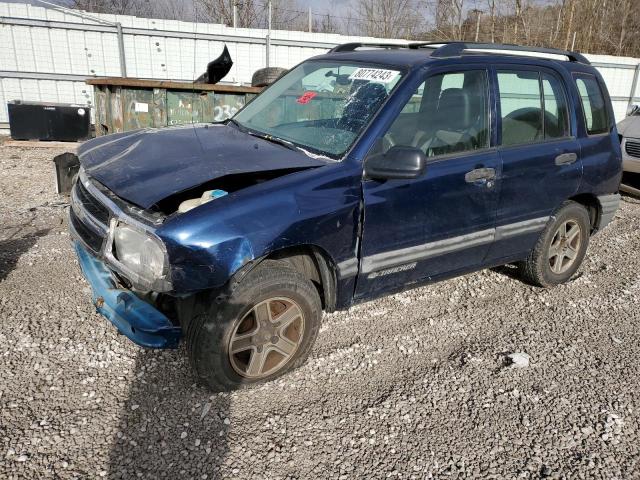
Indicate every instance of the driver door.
{"type": "Point", "coordinates": [442, 222]}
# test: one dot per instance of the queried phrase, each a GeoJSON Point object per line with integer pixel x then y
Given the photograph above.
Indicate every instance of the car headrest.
{"type": "Point", "coordinates": [454, 109]}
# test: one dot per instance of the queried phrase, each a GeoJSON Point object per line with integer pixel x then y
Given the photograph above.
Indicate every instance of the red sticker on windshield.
{"type": "Point", "coordinates": [306, 98]}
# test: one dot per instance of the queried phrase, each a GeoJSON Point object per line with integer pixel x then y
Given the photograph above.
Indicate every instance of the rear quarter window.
{"type": "Point", "coordinates": [596, 115]}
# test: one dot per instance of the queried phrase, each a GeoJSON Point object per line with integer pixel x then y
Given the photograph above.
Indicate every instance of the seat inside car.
{"type": "Point", "coordinates": [455, 125]}
{"type": "Point", "coordinates": [523, 125]}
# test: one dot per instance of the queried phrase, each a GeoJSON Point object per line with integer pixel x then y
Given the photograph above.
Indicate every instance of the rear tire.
{"type": "Point", "coordinates": [561, 247]}
{"type": "Point", "coordinates": [266, 76]}
{"type": "Point", "coordinates": [243, 339]}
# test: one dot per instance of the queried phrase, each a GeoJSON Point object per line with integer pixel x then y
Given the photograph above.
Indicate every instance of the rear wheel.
{"type": "Point", "coordinates": [561, 247]}
{"type": "Point", "coordinates": [264, 328]}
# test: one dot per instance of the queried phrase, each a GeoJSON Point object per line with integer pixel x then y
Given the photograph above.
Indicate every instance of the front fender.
{"type": "Point", "coordinates": [318, 207]}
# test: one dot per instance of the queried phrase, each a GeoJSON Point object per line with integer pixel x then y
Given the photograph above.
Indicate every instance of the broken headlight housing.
{"type": "Point", "coordinates": [142, 256]}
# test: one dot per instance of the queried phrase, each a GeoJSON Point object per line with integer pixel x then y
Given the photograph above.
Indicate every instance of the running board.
{"type": "Point", "coordinates": [628, 189]}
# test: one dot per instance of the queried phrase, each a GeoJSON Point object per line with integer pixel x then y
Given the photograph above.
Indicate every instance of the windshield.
{"type": "Point", "coordinates": [321, 106]}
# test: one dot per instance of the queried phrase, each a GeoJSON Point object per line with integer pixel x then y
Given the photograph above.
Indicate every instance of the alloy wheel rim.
{"type": "Point", "coordinates": [565, 246]}
{"type": "Point", "coordinates": [266, 338]}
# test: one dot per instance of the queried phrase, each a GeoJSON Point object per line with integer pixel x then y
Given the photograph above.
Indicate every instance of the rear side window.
{"type": "Point", "coordinates": [520, 106]}
{"type": "Point", "coordinates": [556, 113]}
{"type": "Point", "coordinates": [533, 107]}
{"type": "Point", "coordinates": [596, 117]}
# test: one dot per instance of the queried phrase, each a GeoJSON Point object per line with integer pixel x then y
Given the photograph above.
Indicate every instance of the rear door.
{"type": "Point", "coordinates": [443, 221]}
{"type": "Point", "coordinates": [541, 165]}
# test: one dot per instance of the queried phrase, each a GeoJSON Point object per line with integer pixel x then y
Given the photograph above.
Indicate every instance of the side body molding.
{"type": "Point", "coordinates": [425, 251]}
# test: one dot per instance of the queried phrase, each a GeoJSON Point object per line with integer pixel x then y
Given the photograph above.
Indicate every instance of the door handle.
{"type": "Point", "coordinates": [566, 158]}
{"type": "Point", "coordinates": [480, 174]}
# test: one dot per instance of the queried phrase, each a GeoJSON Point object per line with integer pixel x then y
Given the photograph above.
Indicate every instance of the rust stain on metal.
{"type": "Point", "coordinates": [167, 84]}
{"type": "Point", "coordinates": [124, 104]}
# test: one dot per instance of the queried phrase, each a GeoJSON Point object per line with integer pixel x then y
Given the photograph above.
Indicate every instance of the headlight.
{"type": "Point", "coordinates": [140, 253]}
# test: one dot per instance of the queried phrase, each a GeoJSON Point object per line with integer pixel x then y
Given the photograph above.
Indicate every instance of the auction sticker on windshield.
{"type": "Point", "coordinates": [374, 75]}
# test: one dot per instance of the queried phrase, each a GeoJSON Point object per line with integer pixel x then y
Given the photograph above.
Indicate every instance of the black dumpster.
{"type": "Point", "coordinates": [48, 121]}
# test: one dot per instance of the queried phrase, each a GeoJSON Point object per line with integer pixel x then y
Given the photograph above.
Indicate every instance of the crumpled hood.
{"type": "Point", "coordinates": [146, 166]}
{"type": "Point", "coordinates": [630, 126]}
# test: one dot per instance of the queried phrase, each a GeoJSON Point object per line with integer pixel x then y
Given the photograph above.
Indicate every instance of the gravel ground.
{"type": "Point", "coordinates": [410, 386]}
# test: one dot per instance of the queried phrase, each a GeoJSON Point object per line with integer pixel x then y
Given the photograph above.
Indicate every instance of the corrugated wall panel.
{"type": "Point", "coordinates": [32, 49]}
{"type": "Point", "coordinates": [8, 51]}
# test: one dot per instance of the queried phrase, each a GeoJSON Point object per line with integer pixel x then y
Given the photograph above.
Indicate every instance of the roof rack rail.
{"type": "Point", "coordinates": [350, 47]}
{"type": "Point", "coordinates": [454, 49]}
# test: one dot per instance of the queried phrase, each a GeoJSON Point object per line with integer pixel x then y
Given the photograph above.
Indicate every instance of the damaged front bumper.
{"type": "Point", "coordinates": [133, 317]}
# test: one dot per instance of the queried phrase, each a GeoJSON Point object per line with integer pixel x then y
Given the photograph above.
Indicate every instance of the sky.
{"type": "Point", "coordinates": [336, 6]}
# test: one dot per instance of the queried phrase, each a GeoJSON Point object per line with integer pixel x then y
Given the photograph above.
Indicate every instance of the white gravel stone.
{"type": "Point", "coordinates": [518, 360]}
{"type": "Point", "coordinates": [413, 376]}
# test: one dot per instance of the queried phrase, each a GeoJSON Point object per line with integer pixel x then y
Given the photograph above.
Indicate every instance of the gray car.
{"type": "Point", "coordinates": [629, 130]}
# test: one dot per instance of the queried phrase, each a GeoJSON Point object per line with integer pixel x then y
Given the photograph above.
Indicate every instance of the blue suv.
{"type": "Point", "coordinates": [365, 171]}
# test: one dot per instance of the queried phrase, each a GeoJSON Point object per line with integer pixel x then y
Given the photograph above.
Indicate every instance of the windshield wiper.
{"type": "Point", "coordinates": [277, 140]}
{"type": "Point", "coordinates": [238, 125]}
{"type": "Point", "coordinates": [264, 136]}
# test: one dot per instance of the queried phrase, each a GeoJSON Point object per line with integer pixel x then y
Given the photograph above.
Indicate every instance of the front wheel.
{"type": "Point", "coordinates": [561, 247]}
{"type": "Point", "coordinates": [264, 328]}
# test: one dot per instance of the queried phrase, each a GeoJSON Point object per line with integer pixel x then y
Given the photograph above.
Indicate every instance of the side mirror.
{"type": "Point", "coordinates": [397, 163]}
{"type": "Point", "coordinates": [633, 110]}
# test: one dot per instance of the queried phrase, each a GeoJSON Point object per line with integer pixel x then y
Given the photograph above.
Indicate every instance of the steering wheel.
{"type": "Point", "coordinates": [388, 142]}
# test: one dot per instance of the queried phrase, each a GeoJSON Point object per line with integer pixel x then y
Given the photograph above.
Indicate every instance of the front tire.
{"type": "Point", "coordinates": [561, 247]}
{"type": "Point", "coordinates": [264, 328]}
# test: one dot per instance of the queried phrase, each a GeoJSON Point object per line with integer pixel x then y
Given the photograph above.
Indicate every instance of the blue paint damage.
{"type": "Point", "coordinates": [208, 244]}
{"type": "Point", "coordinates": [138, 320]}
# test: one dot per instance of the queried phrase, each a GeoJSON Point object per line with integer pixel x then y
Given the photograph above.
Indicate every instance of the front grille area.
{"type": "Point", "coordinates": [89, 203]}
{"type": "Point", "coordinates": [633, 148]}
{"type": "Point", "coordinates": [92, 239]}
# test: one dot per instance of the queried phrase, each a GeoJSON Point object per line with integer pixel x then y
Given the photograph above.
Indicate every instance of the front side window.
{"type": "Point", "coordinates": [320, 106]}
{"type": "Point", "coordinates": [595, 110]}
{"type": "Point", "coordinates": [448, 113]}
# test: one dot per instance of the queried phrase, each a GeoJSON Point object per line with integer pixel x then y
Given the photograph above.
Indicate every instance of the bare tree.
{"type": "Point", "coordinates": [572, 11]}
{"type": "Point", "coordinates": [248, 12]}
{"type": "Point", "coordinates": [595, 26]}
{"type": "Point", "coordinates": [492, 15]}
{"type": "Point", "coordinates": [285, 14]}
{"type": "Point", "coordinates": [118, 7]}
{"type": "Point", "coordinates": [625, 11]}
{"type": "Point", "coordinates": [450, 18]}
{"type": "Point", "coordinates": [325, 23]}
{"type": "Point", "coordinates": [174, 10]}
{"type": "Point", "coordinates": [390, 18]}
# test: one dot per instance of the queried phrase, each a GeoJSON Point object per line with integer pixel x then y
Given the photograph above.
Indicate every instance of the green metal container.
{"type": "Point", "coordinates": [124, 104]}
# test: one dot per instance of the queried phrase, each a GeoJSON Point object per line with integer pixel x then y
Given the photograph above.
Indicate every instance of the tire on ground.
{"type": "Point", "coordinates": [208, 334]}
{"type": "Point", "coordinates": [537, 268]}
{"type": "Point", "coordinates": [266, 76]}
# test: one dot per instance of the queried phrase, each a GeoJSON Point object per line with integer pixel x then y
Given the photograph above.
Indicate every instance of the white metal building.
{"type": "Point", "coordinates": [46, 54]}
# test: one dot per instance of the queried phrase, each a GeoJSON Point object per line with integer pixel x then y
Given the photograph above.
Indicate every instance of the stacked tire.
{"type": "Point", "coordinates": [266, 76]}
